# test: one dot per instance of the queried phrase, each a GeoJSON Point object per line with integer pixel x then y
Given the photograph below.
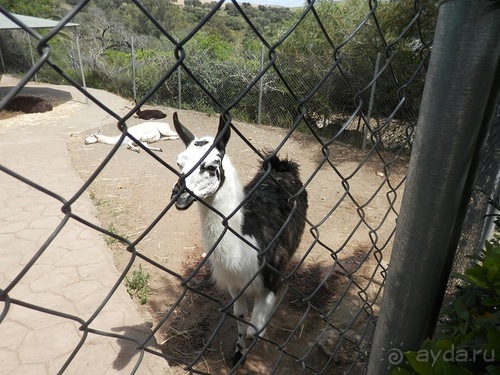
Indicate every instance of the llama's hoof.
{"type": "Point", "coordinates": [252, 333]}
{"type": "Point", "coordinates": [235, 361]}
{"type": "Point", "coordinates": [206, 281]}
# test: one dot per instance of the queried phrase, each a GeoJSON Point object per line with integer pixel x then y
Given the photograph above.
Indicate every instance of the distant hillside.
{"type": "Point", "coordinates": [181, 2]}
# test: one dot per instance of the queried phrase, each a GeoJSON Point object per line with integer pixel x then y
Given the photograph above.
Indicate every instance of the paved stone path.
{"type": "Point", "coordinates": [75, 272]}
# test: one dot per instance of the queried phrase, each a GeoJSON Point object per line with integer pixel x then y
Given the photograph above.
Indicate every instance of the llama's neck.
{"type": "Point", "coordinates": [109, 140]}
{"type": "Point", "coordinates": [233, 261]}
{"type": "Point", "coordinates": [225, 201]}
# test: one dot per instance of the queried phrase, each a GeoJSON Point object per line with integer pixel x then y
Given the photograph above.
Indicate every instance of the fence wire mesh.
{"type": "Point", "coordinates": [328, 304]}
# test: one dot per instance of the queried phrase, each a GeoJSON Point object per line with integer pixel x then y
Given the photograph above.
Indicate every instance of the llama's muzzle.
{"type": "Point", "coordinates": [184, 199]}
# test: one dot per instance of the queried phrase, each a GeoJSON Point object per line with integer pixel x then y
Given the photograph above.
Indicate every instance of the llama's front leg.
{"type": "Point", "coordinates": [145, 144]}
{"type": "Point", "coordinates": [130, 146]}
{"type": "Point", "coordinates": [240, 310]}
{"type": "Point", "coordinates": [168, 137]}
{"type": "Point", "coordinates": [261, 310]}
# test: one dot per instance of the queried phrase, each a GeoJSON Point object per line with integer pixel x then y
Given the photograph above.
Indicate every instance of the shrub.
{"type": "Point", "coordinates": [138, 285]}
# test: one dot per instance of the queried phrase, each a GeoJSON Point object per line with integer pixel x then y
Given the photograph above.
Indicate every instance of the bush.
{"type": "Point", "coordinates": [138, 285]}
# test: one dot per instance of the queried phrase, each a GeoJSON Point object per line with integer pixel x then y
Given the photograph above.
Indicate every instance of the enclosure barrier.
{"type": "Point", "coordinates": [452, 132]}
{"type": "Point", "coordinates": [328, 309]}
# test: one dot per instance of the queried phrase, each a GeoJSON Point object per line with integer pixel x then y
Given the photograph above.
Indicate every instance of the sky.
{"type": "Point", "coordinates": [285, 3]}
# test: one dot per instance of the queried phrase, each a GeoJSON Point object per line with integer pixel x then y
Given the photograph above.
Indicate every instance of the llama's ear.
{"type": "Point", "coordinates": [186, 136]}
{"type": "Point", "coordinates": [222, 143]}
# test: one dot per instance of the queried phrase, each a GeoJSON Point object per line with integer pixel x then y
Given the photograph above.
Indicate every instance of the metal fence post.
{"type": "Point", "coordinates": [31, 54]}
{"type": "Point", "coordinates": [132, 54]}
{"type": "Point", "coordinates": [179, 87]}
{"type": "Point", "coordinates": [366, 130]}
{"type": "Point", "coordinates": [261, 86]}
{"type": "Point", "coordinates": [462, 81]}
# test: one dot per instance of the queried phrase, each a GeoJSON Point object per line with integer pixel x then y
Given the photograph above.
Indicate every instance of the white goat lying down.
{"type": "Point", "coordinates": [279, 203]}
{"type": "Point", "coordinates": [147, 132]}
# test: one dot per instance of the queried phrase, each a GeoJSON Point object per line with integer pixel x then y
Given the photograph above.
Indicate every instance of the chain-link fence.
{"type": "Point", "coordinates": [327, 308]}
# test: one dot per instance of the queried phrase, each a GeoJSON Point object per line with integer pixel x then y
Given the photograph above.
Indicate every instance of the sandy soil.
{"type": "Point", "coordinates": [133, 190]}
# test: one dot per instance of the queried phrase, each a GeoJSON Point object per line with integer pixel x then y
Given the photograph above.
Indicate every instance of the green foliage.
{"type": "Point", "coordinates": [218, 48]}
{"type": "Point", "coordinates": [138, 285]}
{"type": "Point", "coordinates": [109, 239]}
{"type": "Point", "coordinates": [224, 55]}
{"type": "Point", "coordinates": [31, 8]}
{"type": "Point", "coordinates": [117, 58]}
{"type": "Point", "coordinates": [469, 341]}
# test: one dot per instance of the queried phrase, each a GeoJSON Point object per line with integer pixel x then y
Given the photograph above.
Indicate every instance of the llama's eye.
{"type": "Point", "coordinates": [210, 168]}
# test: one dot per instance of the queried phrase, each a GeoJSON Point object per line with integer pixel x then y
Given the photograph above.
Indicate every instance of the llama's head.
{"type": "Point", "coordinates": [202, 172]}
{"type": "Point", "coordinates": [92, 138]}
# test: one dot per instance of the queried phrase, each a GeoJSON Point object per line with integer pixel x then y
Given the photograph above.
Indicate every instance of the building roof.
{"type": "Point", "coordinates": [31, 22]}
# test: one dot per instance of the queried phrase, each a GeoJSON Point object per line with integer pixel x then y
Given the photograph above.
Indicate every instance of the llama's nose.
{"type": "Point", "coordinates": [184, 200]}
{"type": "Point", "coordinates": [175, 189]}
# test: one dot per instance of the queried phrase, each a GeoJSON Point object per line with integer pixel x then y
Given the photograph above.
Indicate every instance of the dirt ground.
{"type": "Point", "coordinates": [351, 219]}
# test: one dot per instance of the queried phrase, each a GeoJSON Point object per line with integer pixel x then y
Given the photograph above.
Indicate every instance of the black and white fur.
{"type": "Point", "coordinates": [279, 198]}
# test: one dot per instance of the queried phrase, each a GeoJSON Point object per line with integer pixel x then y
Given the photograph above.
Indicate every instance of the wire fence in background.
{"type": "Point", "coordinates": [270, 102]}
{"type": "Point", "coordinates": [329, 304]}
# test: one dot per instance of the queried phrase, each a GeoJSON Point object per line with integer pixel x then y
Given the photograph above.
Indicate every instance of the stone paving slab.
{"type": "Point", "coordinates": [76, 271]}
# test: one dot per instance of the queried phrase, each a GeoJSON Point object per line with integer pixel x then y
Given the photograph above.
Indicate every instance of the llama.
{"type": "Point", "coordinates": [147, 132]}
{"type": "Point", "coordinates": [28, 104]}
{"type": "Point", "coordinates": [247, 258]}
{"type": "Point", "coordinates": [150, 114]}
